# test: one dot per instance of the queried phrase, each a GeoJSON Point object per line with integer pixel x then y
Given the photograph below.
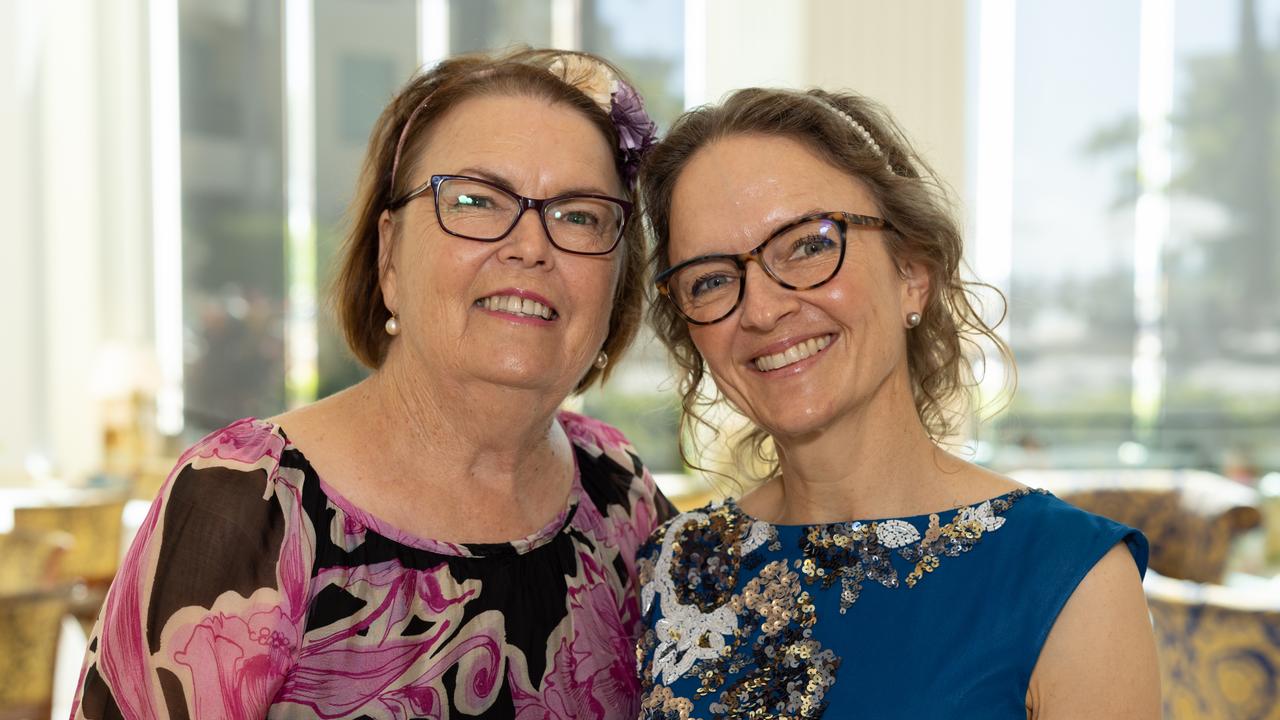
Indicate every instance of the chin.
{"type": "Point", "coordinates": [520, 375]}
{"type": "Point", "coordinates": [796, 422]}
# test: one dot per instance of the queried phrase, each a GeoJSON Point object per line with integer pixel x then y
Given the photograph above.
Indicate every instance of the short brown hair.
{"type": "Point", "coordinates": [356, 292]}
{"type": "Point", "coordinates": [909, 196]}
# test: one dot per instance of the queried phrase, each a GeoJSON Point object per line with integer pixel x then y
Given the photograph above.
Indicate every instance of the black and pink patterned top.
{"type": "Point", "coordinates": [253, 589]}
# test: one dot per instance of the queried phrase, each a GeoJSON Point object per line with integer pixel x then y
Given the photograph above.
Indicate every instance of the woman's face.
{"type": "Point", "coordinates": [730, 197]}
{"type": "Point", "coordinates": [471, 310]}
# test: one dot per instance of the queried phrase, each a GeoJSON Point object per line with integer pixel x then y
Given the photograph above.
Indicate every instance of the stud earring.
{"type": "Point", "coordinates": [913, 319]}
{"type": "Point", "coordinates": [602, 360]}
{"type": "Point", "coordinates": [392, 326]}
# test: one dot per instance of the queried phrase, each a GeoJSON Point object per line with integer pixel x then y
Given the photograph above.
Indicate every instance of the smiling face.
{"type": "Point", "coordinates": [795, 362]}
{"type": "Point", "coordinates": [516, 312]}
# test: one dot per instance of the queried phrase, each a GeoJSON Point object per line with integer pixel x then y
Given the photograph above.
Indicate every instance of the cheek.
{"type": "Point", "coordinates": [861, 302]}
{"type": "Point", "coordinates": [715, 344]}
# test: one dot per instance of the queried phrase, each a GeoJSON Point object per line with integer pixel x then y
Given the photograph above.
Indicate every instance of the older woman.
{"type": "Point", "coordinates": [438, 540]}
{"type": "Point", "coordinates": [806, 257]}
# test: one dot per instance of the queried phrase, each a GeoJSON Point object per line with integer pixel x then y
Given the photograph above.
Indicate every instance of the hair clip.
{"type": "Point", "coordinates": [636, 130]}
{"type": "Point", "coordinates": [857, 127]}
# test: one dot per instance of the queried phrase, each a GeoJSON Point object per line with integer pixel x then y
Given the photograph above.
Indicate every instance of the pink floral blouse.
{"type": "Point", "coordinates": [254, 590]}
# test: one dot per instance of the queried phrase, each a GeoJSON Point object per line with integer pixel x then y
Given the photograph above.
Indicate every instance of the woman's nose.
{"type": "Point", "coordinates": [764, 301]}
{"type": "Point", "coordinates": [527, 243]}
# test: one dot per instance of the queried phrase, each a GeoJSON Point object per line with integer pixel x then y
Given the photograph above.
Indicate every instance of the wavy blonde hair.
{"type": "Point", "coordinates": [909, 195]}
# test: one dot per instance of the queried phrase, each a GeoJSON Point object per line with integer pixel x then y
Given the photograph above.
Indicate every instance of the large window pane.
{"type": "Point", "coordinates": [233, 210]}
{"type": "Point", "coordinates": [1142, 341]}
{"type": "Point", "coordinates": [495, 24]}
{"type": "Point", "coordinates": [646, 40]}
{"type": "Point", "coordinates": [364, 52]}
{"type": "Point", "coordinates": [1071, 308]}
{"type": "Point", "coordinates": [1222, 326]}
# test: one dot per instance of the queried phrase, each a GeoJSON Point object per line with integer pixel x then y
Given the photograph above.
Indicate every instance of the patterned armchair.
{"type": "Point", "coordinates": [1219, 649]}
{"type": "Point", "coordinates": [32, 605]}
{"type": "Point", "coordinates": [1189, 516]}
{"type": "Point", "coordinates": [96, 522]}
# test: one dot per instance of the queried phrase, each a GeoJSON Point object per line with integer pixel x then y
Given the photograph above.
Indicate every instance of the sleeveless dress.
{"type": "Point", "coordinates": [254, 590]}
{"type": "Point", "coordinates": [939, 615]}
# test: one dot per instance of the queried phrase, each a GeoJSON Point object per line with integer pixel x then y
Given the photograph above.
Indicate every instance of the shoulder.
{"type": "Point", "coordinates": [1088, 635]}
{"type": "Point", "coordinates": [594, 435]}
{"type": "Point", "coordinates": [227, 527]}
{"type": "Point", "coordinates": [248, 445]}
{"type": "Point", "coordinates": [611, 471]}
{"type": "Point", "coordinates": [715, 527]}
{"type": "Point", "coordinates": [1099, 659]}
{"type": "Point", "coordinates": [231, 482]}
{"type": "Point", "coordinates": [1075, 538]}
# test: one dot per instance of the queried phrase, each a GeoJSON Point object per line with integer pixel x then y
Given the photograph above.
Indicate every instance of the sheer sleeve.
{"type": "Point", "coordinates": [206, 615]}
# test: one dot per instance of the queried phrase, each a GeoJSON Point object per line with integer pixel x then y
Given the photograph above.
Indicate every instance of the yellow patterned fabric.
{"type": "Point", "coordinates": [29, 626]}
{"type": "Point", "coordinates": [96, 527]}
{"type": "Point", "coordinates": [93, 558]}
{"type": "Point", "coordinates": [1190, 517]}
{"type": "Point", "coordinates": [1219, 650]}
{"type": "Point", "coordinates": [32, 604]}
{"type": "Point", "coordinates": [31, 560]}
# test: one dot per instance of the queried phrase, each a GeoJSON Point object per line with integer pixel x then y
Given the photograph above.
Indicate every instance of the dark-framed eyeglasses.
{"type": "Point", "coordinates": [802, 255]}
{"type": "Point", "coordinates": [476, 209]}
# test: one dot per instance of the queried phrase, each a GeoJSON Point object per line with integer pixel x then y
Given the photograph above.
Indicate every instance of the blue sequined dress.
{"type": "Point", "coordinates": [939, 615]}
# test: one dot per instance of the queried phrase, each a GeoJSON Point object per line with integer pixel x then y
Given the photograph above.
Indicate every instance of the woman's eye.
{"type": "Point", "coordinates": [709, 283]}
{"type": "Point", "coordinates": [471, 200]}
{"type": "Point", "coordinates": [812, 245]}
{"type": "Point", "coordinates": [578, 217]}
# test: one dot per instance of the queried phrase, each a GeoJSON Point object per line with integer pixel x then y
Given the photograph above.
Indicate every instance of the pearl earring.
{"type": "Point", "coordinates": [392, 326]}
{"type": "Point", "coordinates": [913, 319]}
{"type": "Point", "coordinates": [602, 360]}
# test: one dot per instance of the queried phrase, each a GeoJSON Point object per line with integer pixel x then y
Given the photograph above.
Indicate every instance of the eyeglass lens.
{"type": "Point", "coordinates": [481, 211]}
{"type": "Point", "coordinates": [801, 257]}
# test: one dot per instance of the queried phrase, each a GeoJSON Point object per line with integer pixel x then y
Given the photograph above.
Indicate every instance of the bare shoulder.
{"type": "Point", "coordinates": [316, 424]}
{"type": "Point", "coordinates": [974, 482]}
{"type": "Point", "coordinates": [1099, 660]}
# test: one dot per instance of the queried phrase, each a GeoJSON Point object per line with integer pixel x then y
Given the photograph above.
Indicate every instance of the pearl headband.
{"type": "Point", "coordinates": [858, 128]}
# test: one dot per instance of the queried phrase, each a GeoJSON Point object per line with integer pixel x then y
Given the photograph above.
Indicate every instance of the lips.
{"type": "Point", "coordinates": [519, 303]}
{"type": "Point", "coordinates": [792, 354]}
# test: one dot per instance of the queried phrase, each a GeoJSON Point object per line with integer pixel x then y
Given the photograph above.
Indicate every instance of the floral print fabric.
{"type": "Point", "coordinates": [255, 590]}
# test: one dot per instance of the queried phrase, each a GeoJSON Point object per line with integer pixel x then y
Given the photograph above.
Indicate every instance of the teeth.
{"type": "Point", "coordinates": [516, 306]}
{"type": "Point", "coordinates": [793, 354]}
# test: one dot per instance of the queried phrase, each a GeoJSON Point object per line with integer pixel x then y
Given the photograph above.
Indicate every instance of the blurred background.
{"type": "Point", "coordinates": [175, 174]}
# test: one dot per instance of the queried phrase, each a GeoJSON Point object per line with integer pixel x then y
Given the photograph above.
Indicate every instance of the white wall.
{"type": "Point", "coordinates": [910, 56]}
{"type": "Point", "coordinates": [22, 425]}
{"type": "Point", "coordinates": [74, 268]}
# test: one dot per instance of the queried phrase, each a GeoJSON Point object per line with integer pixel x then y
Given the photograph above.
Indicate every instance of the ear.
{"type": "Point", "coordinates": [386, 262]}
{"type": "Point", "coordinates": [915, 286]}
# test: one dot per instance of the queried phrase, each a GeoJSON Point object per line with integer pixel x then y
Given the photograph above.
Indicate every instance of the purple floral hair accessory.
{"type": "Point", "coordinates": [636, 130]}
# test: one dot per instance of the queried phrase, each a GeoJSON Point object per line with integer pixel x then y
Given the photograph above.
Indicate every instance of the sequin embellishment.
{"type": "Point", "coordinates": [750, 643]}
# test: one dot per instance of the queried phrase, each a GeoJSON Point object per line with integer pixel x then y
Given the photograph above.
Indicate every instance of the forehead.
{"type": "Point", "coordinates": [519, 136]}
{"type": "Point", "coordinates": [734, 192]}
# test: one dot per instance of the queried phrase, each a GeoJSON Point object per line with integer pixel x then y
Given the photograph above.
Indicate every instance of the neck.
{"type": "Point", "coordinates": [473, 432]}
{"type": "Point", "coordinates": [875, 462]}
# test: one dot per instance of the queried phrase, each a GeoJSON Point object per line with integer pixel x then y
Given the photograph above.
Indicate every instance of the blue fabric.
{"type": "Point", "coordinates": [961, 643]}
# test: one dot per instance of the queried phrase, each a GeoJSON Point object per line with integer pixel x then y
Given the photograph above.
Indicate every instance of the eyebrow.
{"type": "Point", "coordinates": [774, 231]}
{"type": "Point", "coordinates": [507, 185]}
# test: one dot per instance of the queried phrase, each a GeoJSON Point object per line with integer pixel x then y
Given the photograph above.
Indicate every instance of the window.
{"type": "Point", "coordinates": [1143, 302]}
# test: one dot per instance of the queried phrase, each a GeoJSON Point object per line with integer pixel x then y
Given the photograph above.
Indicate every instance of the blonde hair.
{"type": "Point", "coordinates": [857, 136]}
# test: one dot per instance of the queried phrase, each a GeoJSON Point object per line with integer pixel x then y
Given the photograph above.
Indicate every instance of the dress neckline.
{"type": "Point", "coordinates": [918, 519]}
{"type": "Point", "coordinates": [519, 546]}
